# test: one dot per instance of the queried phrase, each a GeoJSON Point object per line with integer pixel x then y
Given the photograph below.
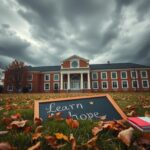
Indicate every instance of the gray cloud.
{"type": "Point", "coordinates": [99, 30]}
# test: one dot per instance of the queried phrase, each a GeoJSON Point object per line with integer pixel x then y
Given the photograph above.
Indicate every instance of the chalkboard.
{"type": "Point", "coordinates": [80, 108]}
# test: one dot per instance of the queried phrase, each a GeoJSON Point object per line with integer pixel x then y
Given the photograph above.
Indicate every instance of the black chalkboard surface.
{"type": "Point", "coordinates": [82, 108]}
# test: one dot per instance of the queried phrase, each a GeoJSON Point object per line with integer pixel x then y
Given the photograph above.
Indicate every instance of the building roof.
{"type": "Point", "coordinates": [116, 66]}
{"type": "Point", "coordinates": [92, 67]}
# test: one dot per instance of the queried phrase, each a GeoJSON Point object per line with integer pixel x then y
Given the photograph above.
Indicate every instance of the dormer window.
{"type": "Point", "coordinates": [74, 64]}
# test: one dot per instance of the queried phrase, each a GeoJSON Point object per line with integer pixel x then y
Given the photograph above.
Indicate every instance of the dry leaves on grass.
{"type": "Point", "coordinates": [38, 121]}
{"type": "Point", "coordinates": [61, 136]}
{"type": "Point", "coordinates": [73, 142]}
{"type": "Point", "coordinates": [16, 116]}
{"type": "Point", "coordinates": [72, 123]}
{"type": "Point", "coordinates": [6, 146]}
{"type": "Point", "coordinates": [3, 132]}
{"type": "Point", "coordinates": [35, 136]}
{"type": "Point", "coordinates": [126, 136]}
{"type": "Point", "coordinates": [17, 124]}
{"type": "Point", "coordinates": [35, 147]}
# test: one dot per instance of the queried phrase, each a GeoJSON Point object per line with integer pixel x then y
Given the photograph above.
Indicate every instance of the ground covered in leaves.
{"type": "Point", "coordinates": [19, 131]}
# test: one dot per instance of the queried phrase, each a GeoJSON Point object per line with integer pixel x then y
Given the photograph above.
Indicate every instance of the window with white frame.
{"type": "Point", "coordinates": [95, 84]}
{"type": "Point", "coordinates": [103, 75]}
{"type": "Point", "coordinates": [143, 74]}
{"type": "Point", "coordinates": [114, 75]}
{"type": "Point", "coordinates": [104, 85]}
{"type": "Point", "coordinates": [145, 84]}
{"type": "Point", "coordinates": [123, 75]}
{"type": "Point", "coordinates": [30, 77]}
{"type": "Point", "coordinates": [94, 75]}
{"type": "Point", "coordinates": [46, 86]}
{"type": "Point", "coordinates": [46, 77]}
{"type": "Point", "coordinates": [114, 84]}
{"type": "Point", "coordinates": [56, 77]}
{"type": "Point", "coordinates": [10, 88]}
{"type": "Point", "coordinates": [74, 63]}
{"type": "Point", "coordinates": [29, 86]}
{"type": "Point", "coordinates": [135, 84]}
{"type": "Point", "coordinates": [56, 86]}
{"type": "Point", "coordinates": [133, 74]}
{"type": "Point", "coordinates": [124, 84]}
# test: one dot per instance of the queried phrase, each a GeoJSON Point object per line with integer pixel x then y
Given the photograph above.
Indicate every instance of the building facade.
{"type": "Point", "coordinates": [76, 74]}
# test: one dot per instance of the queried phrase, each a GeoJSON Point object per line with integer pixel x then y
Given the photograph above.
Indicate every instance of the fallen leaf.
{"type": "Point", "coordinates": [6, 146]}
{"type": "Point", "coordinates": [73, 142]}
{"type": "Point", "coordinates": [17, 124]}
{"type": "Point", "coordinates": [58, 117]}
{"type": "Point", "coordinates": [35, 136]}
{"type": "Point", "coordinates": [72, 123]}
{"type": "Point", "coordinates": [96, 130]}
{"type": "Point", "coordinates": [132, 113]}
{"type": "Point", "coordinates": [28, 129]}
{"type": "Point", "coordinates": [126, 136]}
{"type": "Point", "coordinates": [35, 147]}
{"type": "Point", "coordinates": [16, 116]}
{"type": "Point", "coordinates": [147, 114]}
{"type": "Point", "coordinates": [103, 117]}
{"type": "Point", "coordinates": [92, 143]}
{"type": "Point", "coordinates": [6, 120]}
{"type": "Point", "coordinates": [38, 121]}
{"type": "Point", "coordinates": [1, 108]}
{"type": "Point", "coordinates": [60, 136]}
{"type": "Point", "coordinates": [3, 132]}
{"type": "Point", "coordinates": [38, 129]}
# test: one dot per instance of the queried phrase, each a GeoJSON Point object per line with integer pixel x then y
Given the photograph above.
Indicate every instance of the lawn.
{"type": "Point", "coordinates": [60, 134]}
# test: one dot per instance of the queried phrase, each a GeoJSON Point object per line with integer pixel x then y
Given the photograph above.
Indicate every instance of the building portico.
{"type": "Point", "coordinates": [75, 80]}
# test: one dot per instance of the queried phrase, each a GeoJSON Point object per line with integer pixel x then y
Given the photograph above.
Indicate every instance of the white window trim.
{"type": "Point", "coordinates": [9, 89]}
{"type": "Point", "coordinates": [31, 78]}
{"type": "Point", "coordinates": [45, 77]}
{"type": "Point", "coordinates": [116, 75]}
{"type": "Point", "coordinates": [96, 75]}
{"type": "Point", "coordinates": [141, 74]}
{"type": "Point", "coordinates": [147, 84]}
{"type": "Point", "coordinates": [137, 84]}
{"type": "Point", "coordinates": [44, 87]}
{"type": "Point", "coordinates": [102, 85]}
{"type": "Point", "coordinates": [102, 75]}
{"type": "Point", "coordinates": [54, 85]}
{"type": "Point", "coordinates": [54, 76]}
{"type": "Point", "coordinates": [72, 61]}
{"type": "Point", "coordinates": [125, 73]}
{"type": "Point", "coordinates": [115, 87]}
{"type": "Point", "coordinates": [93, 84]}
{"type": "Point", "coordinates": [122, 84]}
{"type": "Point", "coordinates": [135, 73]}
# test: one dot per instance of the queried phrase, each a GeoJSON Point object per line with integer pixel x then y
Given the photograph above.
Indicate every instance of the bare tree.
{"type": "Point", "coordinates": [16, 75]}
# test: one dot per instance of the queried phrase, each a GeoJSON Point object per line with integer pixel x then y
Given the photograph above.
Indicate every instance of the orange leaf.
{"type": "Point", "coordinates": [72, 123]}
{"type": "Point", "coordinates": [73, 142]}
{"type": "Point", "coordinates": [38, 129]}
{"type": "Point", "coordinates": [92, 143]}
{"type": "Point", "coordinates": [126, 136]}
{"type": "Point", "coordinates": [35, 136]}
{"type": "Point", "coordinates": [96, 130]}
{"type": "Point", "coordinates": [35, 147]}
{"type": "Point", "coordinates": [38, 121]}
{"type": "Point", "coordinates": [28, 129]}
{"type": "Point", "coordinates": [60, 136]}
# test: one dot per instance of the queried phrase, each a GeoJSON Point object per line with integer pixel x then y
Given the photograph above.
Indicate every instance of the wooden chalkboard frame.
{"type": "Point", "coordinates": [111, 100]}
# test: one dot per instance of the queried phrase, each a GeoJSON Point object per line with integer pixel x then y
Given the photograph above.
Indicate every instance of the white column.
{"type": "Point", "coordinates": [89, 83]}
{"type": "Point", "coordinates": [61, 82]}
{"type": "Point", "coordinates": [81, 81]}
{"type": "Point", "coordinates": [68, 87]}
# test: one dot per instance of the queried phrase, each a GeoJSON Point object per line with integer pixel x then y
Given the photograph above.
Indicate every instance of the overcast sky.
{"type": "Point", "coordinates": [44, 32]}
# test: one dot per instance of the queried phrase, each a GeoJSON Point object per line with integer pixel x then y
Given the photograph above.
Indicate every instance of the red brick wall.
{"type": "Point", "coordinates": [83, 63]}
{"type": "Point", "coordinates": [66, 64]}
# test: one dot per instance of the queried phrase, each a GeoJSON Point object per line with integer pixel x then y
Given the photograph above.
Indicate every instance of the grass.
{"type": "Point", "coordinates": [23, 104]}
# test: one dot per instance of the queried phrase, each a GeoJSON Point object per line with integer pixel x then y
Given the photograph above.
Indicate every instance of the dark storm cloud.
{"type": "Point", "coordinates": [100, 30]}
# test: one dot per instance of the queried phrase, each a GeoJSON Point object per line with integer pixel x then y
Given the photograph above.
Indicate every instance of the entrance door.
{"type": "Point", "coordinates": [75, 85]}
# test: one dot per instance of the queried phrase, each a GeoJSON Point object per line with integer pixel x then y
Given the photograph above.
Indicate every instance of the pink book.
{"type": "Point", "coordinates": [139, 121]}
